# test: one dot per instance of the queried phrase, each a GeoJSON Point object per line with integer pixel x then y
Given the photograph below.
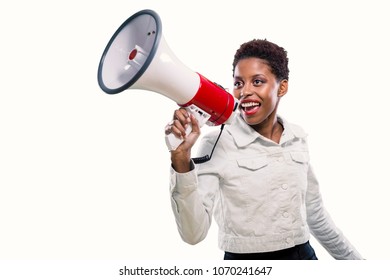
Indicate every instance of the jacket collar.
{"type": "Point", "coordinates": [243, 134]}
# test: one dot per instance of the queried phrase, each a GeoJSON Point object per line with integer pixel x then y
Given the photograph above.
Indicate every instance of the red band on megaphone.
{"type": "Point", "coordinates": [214, 100]}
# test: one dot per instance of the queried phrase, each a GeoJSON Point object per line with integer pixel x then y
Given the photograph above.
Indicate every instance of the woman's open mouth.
{"type": "Point", "coordinates": [250, 107]}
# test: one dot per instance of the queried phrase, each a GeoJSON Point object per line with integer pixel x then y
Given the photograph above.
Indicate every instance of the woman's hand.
{"type": "Point", "coordinates": [181, 156]}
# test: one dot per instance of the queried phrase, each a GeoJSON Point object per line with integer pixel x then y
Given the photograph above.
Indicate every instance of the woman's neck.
{"type": "Point", "coordinates": [270, 128]}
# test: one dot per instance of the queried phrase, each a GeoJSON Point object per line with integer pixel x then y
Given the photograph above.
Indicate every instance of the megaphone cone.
{"type": "Point", "coordinates": [138, 57]}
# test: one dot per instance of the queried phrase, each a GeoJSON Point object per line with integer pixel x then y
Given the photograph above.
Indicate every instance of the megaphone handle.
{"type": "Point", "coordinates": [202, 117]}
{"type": "Point", "coordinates": [173, 142]}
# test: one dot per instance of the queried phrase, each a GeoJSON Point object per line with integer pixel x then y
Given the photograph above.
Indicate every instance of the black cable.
{"type": "Point", "coordinates": [203, 159]}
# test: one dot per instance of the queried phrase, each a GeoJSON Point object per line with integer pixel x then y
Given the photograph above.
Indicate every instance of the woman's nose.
{"type": "Point", "coordinates": [245, 91]}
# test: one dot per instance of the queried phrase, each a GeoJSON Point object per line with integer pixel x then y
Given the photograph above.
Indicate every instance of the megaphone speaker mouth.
{"type": "Point", "coordinates": [130, 51]}
{"type": "Point", "coordinates": [138, 57]}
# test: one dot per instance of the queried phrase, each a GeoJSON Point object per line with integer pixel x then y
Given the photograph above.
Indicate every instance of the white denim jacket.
{"type": "Point", "coordinates": [264, 195]}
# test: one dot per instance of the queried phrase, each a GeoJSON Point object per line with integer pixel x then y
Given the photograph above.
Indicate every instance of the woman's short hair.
{"type": "Point", "coordinates": [275, 56]}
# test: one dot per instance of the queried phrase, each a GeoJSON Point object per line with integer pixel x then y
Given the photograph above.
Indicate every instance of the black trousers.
{"type": "Point", "coordinates": [300, 252]}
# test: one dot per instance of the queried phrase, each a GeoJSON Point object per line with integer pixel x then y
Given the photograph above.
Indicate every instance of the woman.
{"type": "Point", "coordinates": [259, 183]}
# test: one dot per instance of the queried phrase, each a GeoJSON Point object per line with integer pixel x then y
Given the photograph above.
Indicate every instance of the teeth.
{"type": "Point", "coordinates": [250, 104]}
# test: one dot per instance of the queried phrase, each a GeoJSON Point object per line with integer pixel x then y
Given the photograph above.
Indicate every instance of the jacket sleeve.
{"type": "Point", "coordinates": [322, 226]}
{"type": "Point", "coordinates": [192, 198]}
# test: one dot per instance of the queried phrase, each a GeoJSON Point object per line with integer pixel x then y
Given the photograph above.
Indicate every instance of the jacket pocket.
{"type": "Point", "coordinates": [298, 170]}
{"type": "Point", "coordinates": [300, 157]}
{"type": "Point", "coordinates": [249, 203]}
{"type": "Point", "coordinates": [253, 163]}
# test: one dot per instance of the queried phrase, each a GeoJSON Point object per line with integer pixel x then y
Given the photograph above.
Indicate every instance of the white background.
{"type": "Point", "coordinates": [84, 175]}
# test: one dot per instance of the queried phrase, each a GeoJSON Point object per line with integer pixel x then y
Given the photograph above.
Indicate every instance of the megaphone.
{"type": "Point", "coordinates": [138, 57]}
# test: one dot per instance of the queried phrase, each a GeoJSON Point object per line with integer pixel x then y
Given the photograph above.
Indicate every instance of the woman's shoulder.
{"type": "Point", "coordinates": [210, 136]}
{"type": "Point", "coordinates": [214, 139]}
{"type": "Point", "coordinates": [296, 129]}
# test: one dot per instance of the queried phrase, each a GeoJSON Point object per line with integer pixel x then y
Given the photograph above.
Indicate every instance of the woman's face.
{"type": "Point", "coordinates": [257, 89]}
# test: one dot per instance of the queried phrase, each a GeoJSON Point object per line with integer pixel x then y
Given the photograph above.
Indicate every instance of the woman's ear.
{"type": "Point", "coordinates": [283, 88]}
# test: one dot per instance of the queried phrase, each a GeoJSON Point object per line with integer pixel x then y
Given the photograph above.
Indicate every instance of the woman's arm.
{"type": "Point", "coordinates": [322, 226]}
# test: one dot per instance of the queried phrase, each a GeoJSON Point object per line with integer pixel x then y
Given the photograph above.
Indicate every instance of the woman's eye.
{"type": "Point", "coordinates": [257, 82]}
{"type": "Point", "coordinates": [237, 84]}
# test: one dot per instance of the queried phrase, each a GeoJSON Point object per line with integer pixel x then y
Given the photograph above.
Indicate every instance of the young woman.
{"type": "Point", "coordinates": [259, 183]}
